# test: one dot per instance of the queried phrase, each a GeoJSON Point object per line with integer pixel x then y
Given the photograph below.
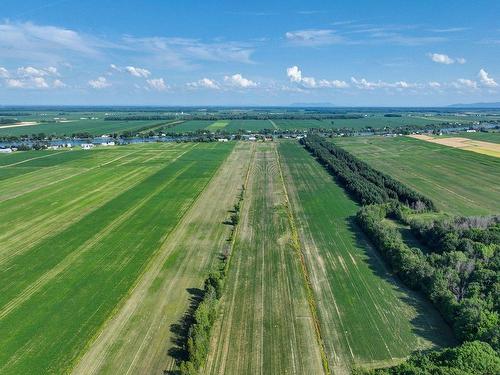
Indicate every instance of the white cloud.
{"type": "Point", "coordinates": [99, 83]}
{"type": "Point", "coordinates": [206, 83]}
{"type": "Point", "coordinates": [184, 52]}
{"type": "Point", "coordinates": [434, 84]}
{"type": "Point", "coordinates": [237, 80]}
{"type": "Point", "coordinates": [464, 83]}
{"type": "Point", "coordinates": [157, 84]}
{"type": "Point", "coordinates": [29, 71]}
{"type": "Point", "coordinates": [369, 85]}
{"type": "Point", "coordinates": [295, 75]}
{"type": "Point", "coordinates": [137, 72]}
{"type": "Point", "coordinates": [4, 73]}
{"type": "Point", "coordinates": [486, 80]}
{"type": "Point", "coordinates": [313, 37]}
{"type": "Point", "coordinates": [441, 58]}
{"type": "Point", "coordinates": [15, 83]}
{"type": "Point", "coordinates": [58, 84]}
{"type": "Point", "coordinates": [46, 44]}
{"type": "Point", "coordinates": [40, 83]}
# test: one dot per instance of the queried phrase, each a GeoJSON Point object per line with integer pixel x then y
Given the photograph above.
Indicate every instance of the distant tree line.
{"type": "Point", "coordinates": [366, 184]}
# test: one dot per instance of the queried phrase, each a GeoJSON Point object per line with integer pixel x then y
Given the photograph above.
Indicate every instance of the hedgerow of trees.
{"type": "Point", "coordinates": [366, 184]}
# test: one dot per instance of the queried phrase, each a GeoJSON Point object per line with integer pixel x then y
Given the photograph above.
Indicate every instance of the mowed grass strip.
{"type": "Point", "coordinates": [156, 305]}
{"type": "Point", "coordinates": [55, 297]}
{"type": "Point", "coordinates": [218, 125]}
{"type": "Point", "coordinates": [459, 182]}
{"type": "Point", "coordinates": [366, 316]}
{"type": "Point", "coordinates": [265, 326]}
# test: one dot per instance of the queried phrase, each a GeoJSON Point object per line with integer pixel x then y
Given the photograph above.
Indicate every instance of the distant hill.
{"type": "Point", "coordinates": [477, 105]}
{"type": "Point", "coordinates": [321, 105]}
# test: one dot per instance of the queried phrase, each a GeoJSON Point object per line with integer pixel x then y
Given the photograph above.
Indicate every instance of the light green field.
{"type": "Point", "coordinates": [218, 125]}
{"type": "Point", "coordinates": [460, 182]}
{"type": "Point", "coordinates": [265, 325]}
{"type": "Point", "coordinates": [249, 125]}
{"type": "Point", "coordinates": [77, 234]}
{"type": "Point", "coordinates": [94, 127]}
{"type": "Point", "coordinates": [367, 317]}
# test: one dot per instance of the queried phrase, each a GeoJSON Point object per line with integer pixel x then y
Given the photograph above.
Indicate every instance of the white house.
{"type": "Point", "coordinates": [87, 146]}
{"type": "Point", "coordinates": [5, 150]}
{"type": "Point", "coordinates": [223, 140]}
{"type": "Point", "coordinates": [110, 143]}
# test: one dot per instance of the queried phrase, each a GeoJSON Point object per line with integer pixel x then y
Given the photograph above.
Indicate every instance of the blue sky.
{"type": "Point", "coordinates": [357, 53]}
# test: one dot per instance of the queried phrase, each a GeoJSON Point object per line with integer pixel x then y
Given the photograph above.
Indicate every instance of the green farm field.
{"type": "Point", "coordinates": [265, 325]}
{"type": "Point", "coordinates": [76, 236]}
{"type": "Point", "coordinates": [367, 318]}
{"type": "Point", "coordinates": [460, 182]}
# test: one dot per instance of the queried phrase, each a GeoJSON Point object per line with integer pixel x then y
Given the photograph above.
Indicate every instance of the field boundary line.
{"type": "Point", "coordinates": [307, 281]}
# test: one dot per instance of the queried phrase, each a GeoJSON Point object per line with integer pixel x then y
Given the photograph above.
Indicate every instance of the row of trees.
{"type": "Point", "coordinates": [366, 184]}
{"type": "Point", "coordinates": [461, 277]}
{"type": "Point", "coordinates": [205, 314]}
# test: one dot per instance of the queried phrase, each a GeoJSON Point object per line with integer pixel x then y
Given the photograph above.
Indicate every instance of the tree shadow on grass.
{"type": "Point", "coordinates": [427, 322]}
{"type": "Point", "coordinates": [180, 330]}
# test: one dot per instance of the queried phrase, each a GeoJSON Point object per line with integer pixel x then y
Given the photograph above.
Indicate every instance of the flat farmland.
{"type": "Point", "coordinates": [191, 126]}
{"type": "Point", "coordinates": [249, 125]}
{"type": "Point", "coordinates": [460, 182]}
{"type": "Point", "coordinates": [77, 235]}
{"type": "Point", "coordinates": [373, 121]}
{"type": "Point", "coordinates": [367, 318]}
{"type": "Point", "coordinates": [265, 325]}
{"type": "Point", "coordinates": [139, 338]}
{"type": "Point", "coordinates": [94, 127]}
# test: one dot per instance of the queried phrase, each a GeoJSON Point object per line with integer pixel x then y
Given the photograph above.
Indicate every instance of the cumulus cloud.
{"type": "Point", "coordinates": [313, 37]}
{"type": "Point", "coordinates": [58, 84]}
{"type": "Point", "coordinates": [441, 58]}
{"type": "Point", "coordinates": [486, 80]}
{"type": "Point", "coordinates": [206, 83]}
{"type": "Point", "coordinates": [237, 80]}
{"type": "Point", "coordinates": [464, 83]}
{"type": "Point", "coordinates": [40, 83]}
{"type": "Point", "coordinates": [15, 83]}
{"type": "Point", "coordinates": [137, 72]}
{"type": "Point", "coordinates": [4, 73]}
{"type": "Point", "coordinates": [157, 84]}
{"type": "Point", "coordinates": [363, 83]}
{"type": "Point", "coordinates": [99, 83]}
{"type": "Point", "coordinates": [295, 75]}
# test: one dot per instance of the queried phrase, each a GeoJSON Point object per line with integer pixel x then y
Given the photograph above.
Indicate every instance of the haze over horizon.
{"type": "Point", "coordinates": [264, 53]}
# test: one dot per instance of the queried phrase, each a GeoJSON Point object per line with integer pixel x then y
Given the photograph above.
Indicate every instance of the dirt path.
{"type": "Point", "coordinates": [138, 337]}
